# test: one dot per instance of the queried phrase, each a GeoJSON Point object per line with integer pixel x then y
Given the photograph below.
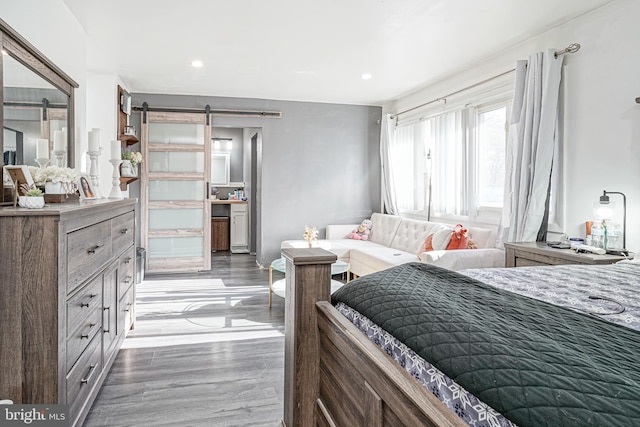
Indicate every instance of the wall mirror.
{"type": "Point", "coordinates": [220, 169]}
{"type": "Point", "coordinates": [37, 100]}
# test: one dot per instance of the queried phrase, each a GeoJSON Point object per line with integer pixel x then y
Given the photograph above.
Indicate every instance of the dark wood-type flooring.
{"type": "Point", "coordinates": [206, 351]}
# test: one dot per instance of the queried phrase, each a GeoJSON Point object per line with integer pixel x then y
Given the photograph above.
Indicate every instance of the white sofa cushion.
{"type": "Point", "coordinates": [368, 260]}
{"type": "Point", "coordinates": [482, 237]}
{"type": "Point", "coordinates": [461, 259]}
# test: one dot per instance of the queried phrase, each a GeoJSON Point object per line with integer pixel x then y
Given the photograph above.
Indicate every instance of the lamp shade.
{"type": "Point", "coordinates": [603, 210]}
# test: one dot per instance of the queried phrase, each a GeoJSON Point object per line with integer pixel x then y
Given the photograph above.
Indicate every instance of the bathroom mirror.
{"type": "Point", "coordinates": [37, 100]}
{"type": "Point", "coordinates": [220, 169]}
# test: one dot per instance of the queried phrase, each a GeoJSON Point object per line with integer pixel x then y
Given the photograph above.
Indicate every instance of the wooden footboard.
{"type": "Point", "coordinates": [334, 375]}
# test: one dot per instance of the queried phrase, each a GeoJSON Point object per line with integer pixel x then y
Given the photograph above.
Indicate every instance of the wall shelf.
{"type": "Point", "coordinates": [129, 139]}
{"type": "Point", "coordinates": [125, 180]}
{"type": "Point", "coordinates": [126, 140]}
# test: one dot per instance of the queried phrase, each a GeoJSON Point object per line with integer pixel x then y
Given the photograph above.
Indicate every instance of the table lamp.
{"type": "Point", "coordinates": [604, 209]}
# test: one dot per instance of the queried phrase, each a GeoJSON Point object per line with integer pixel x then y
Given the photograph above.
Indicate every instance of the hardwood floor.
{"type": "Point", "coordinates": [206, 351]}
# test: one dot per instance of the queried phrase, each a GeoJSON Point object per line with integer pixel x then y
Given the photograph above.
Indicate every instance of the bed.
{"type": "Point", "coordinates": [505, 356]}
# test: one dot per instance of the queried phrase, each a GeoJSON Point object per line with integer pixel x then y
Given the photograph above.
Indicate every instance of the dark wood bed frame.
{"type": "Point", "coordinates": [334, 375]}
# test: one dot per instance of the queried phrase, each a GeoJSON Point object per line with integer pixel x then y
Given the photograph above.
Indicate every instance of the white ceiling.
{"type": "Point", "coordinates": [306, 50]}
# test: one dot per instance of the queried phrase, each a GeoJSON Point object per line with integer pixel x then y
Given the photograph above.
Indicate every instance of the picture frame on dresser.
{"type": "Point", "coordinates": [19, 175]}
{"type": "Point", "coordinates": [85, 188]}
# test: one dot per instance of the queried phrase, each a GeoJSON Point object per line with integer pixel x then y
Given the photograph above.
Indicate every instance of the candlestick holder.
{"type": "Point", "coordinates": [42, 162]}
{"type": "Point", "coordinates": [59, 157]}
{"type": "Point", "coordinates": [115, 182]}
{"type": "Point", "coordinates": [94, 171]}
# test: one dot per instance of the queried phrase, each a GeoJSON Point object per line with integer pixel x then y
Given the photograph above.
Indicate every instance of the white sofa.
{"type": "Point", "coordinates": [395, 240]}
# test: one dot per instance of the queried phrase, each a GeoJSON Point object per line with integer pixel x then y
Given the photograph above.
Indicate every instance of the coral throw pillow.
{"type": "Point", "coordinates": [459, 238]}
{"type": "Point", "coordinates": [436, 241]}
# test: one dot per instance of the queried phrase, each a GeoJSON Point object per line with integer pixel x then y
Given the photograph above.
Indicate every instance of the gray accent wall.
{"type": "Point", "coordinates": [319, 163]}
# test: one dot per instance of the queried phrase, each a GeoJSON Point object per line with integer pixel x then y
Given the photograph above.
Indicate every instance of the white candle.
{"type": "Point", "coordinates": [94, 140]}
{"type": "Point", "coordinates": [58, 141]}
{"type": "Point", "coordinates": [42, 148]}
{"type": "Point", "coordinates": [116, 153]}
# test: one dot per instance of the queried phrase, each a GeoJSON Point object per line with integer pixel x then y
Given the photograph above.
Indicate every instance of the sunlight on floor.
{"type": "Point", "coordinates": [196, 311]}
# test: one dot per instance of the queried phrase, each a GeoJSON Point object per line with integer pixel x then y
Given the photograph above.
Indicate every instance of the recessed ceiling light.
{"type": "Point", "coordinates": [197, 64]}
{"type": "Point", "coordinates": [366, 76]}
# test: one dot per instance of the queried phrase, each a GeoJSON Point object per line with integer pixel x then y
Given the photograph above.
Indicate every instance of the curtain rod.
{"type": "Point", "coordinates": [572, 48]}
{"type": "Point", "coordinates": [207, 110]}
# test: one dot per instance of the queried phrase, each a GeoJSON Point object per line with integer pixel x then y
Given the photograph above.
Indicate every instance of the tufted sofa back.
{"type": "Point", "coordinates": [383, 228]}
{"type": "Point", "coordinates": [411, 234]}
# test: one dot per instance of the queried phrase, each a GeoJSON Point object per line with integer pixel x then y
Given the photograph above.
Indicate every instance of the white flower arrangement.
{"type": "Point", "coordinates": [53, 174]}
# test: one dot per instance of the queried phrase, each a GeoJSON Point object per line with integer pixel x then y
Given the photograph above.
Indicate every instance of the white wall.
{"type": "Point", "coordinates": [102, 113]}
{"type": "Point", "coordinates": [602, 120]}
{"type": "Point", "coordinates": [54, 31]}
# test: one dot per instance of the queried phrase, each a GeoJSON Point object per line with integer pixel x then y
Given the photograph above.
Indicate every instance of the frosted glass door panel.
{"type": "Point", "coordinates": [167, 161]}
{"type": "Point", "coordinates": [168, 219]}
{"type": "Point", "coordinates": [176, 133]}
{"type": "Point", "coordinates": [176, 190]}
{"type": "Point", "coordinates": [175, 247]}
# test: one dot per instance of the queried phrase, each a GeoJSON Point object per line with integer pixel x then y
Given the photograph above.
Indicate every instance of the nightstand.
{"type": "Point", "coordinates": [538, 253]}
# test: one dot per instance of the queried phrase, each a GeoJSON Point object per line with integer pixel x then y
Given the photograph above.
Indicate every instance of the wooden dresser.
{"type": "Point", "coordinates": [67, 294]}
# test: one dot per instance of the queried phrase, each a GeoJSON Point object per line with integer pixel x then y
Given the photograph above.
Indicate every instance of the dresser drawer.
{"type": "Point", "coordinates": [88, 250]}
{"type": "Point", "coordinates": [126, 271]}
{"type": "Point", "coordinates": [83, 305]}
{"type": "Point", "coordinates": [84, 375]}
{"type": "Point", "coordinates": [80, 339]}
{"type": "Point", "coordinates": [122, 231]}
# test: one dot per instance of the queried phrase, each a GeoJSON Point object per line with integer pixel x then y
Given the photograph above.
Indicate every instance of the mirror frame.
{"type": "Point", "coordinates": [24, 52]}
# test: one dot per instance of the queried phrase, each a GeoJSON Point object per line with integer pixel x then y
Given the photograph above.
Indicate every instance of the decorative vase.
{"type": "Point", "coordinates": [31, 202]}
{"type": "Point", "coordinates": [134, 167]}
{"type": "Point", "coordinates": [127, 169]}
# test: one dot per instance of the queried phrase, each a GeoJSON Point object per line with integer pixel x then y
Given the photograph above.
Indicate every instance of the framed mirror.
{"type": "Point", "coordinates": [37, 100]}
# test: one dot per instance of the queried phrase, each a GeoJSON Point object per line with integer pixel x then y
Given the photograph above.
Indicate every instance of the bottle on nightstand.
{"type": "Point", "coordinates": [597, 235]}
{"type": "Point", "coordinates": [614, 237]}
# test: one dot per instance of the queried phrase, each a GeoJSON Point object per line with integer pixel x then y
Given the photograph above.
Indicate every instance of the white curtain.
{"type": "Point", "coordinates": [533, 135]}
{"type": "Point", "coordinates": [402, 161]}
{"type": "Point", "coordinates": [388, 187]}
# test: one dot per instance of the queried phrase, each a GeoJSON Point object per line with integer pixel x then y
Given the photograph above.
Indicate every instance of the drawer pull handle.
{"type": "Point", "coordinates": [106, 331]}
{"type": "Point", "coordinates": [127, 261]}
{"type": "Point", "coordinates": [84, 304]}
{"type": "Point", "coordinates": [124, 231]}
{"type": "Point", "coordinates": [128, 307]}
{"type": "Point", "coordinates": [93, 295]}
{"type": "Point", "coordinates": [90, 374]}
{"type": "Point", "coordinates": [84, 336]}
{"type": "Point", "coordinates": [127, 280]}
{"type": "Point", "coordinates": [93, 249]}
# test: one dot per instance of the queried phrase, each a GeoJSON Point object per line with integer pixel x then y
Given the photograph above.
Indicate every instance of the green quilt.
{"type": "Point", "coordinates": [536, 363]}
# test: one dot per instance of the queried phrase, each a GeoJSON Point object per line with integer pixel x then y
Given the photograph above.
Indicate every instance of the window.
{"type": "Point", "coordinates": [491, 143]}
{"type": "Point", "coordinates": [460, 155]}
